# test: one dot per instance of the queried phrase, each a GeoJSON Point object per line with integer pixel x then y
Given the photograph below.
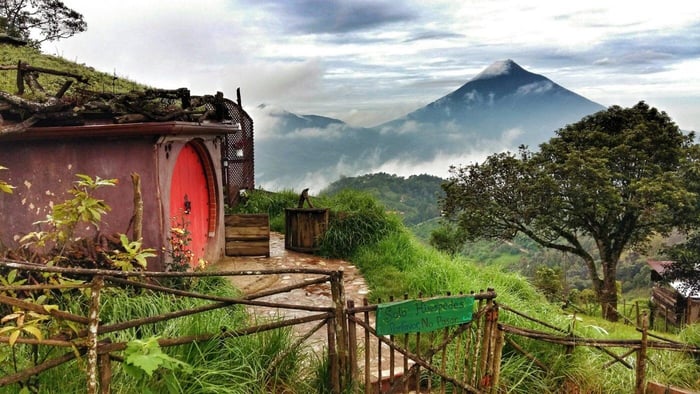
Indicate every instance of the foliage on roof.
{"type": "Point", "coordinates": [97, 80]}
{"type": "Point", "coordinates": [40, 90]}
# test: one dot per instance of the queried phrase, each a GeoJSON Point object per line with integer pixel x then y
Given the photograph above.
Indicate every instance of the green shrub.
{"type": "Point", "coordinates": [446, 238]}
{"type": "Point", "coordinates": [356, 219]}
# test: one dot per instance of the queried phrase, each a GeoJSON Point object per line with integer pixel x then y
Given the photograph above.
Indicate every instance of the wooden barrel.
{"type": "Point", "coordinates": [303, 227]}
{"type": "Point", "coordinates": [247, 235]}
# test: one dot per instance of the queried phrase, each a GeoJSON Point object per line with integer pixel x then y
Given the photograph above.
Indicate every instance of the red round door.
{"type": "Point", "coordinates": [189, 199]}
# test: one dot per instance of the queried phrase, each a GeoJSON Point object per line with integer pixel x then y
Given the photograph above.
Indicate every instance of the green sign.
{"type": "Point", "coordinates": [423, 315]}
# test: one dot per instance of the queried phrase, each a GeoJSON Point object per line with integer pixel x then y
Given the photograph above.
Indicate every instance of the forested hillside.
{"type": "Point", "coordinates": [414, 198]}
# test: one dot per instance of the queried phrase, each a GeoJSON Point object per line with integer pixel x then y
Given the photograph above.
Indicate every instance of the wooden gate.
{"type": "Point", "coordinates": [462, 358]}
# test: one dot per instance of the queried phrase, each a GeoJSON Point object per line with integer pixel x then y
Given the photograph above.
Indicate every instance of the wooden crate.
{"type": "Point", "coordinates": [247, 235]}
{"type": "Point", "coordinates": [303, 227]}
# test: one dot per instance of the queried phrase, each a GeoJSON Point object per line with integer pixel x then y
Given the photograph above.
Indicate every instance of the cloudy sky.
{"type": "Point", "coordinates": [368, 61]}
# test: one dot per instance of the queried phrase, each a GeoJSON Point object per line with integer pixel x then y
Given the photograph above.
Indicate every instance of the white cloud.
{"type": "Point", "coordinates": [317, 179]}
{"type": "Point", "coordinates": [331, 132]}
{"type": "Point", "coordinates": [438, 166]}
{"type": "Point", "coordinates": [535, 88]}
{"type": "Point", "coordinates": [406, 127]}
{"type": "Point", "coordinates": [386, 70]}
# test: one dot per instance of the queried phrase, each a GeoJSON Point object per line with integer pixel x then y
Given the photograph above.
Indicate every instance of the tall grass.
{"type": "Point", "coordinates": [398, 264]}
{"type": "Point", "coordinates": [394, 263]}
{"type": "Point", "coordinates": [231, 365]}
{"type": "Point", "coordinates": [356, 220]}
{"type": "Point", "coordinates": [97, 81]}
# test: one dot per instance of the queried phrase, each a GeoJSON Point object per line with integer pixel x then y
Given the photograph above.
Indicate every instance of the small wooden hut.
{"type": "Point", "coordinates": [191, 153]}
{"type": "Point", "coordinates": [672, 301]}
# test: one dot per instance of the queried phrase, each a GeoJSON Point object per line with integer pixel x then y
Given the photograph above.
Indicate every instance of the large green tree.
{"type": "Point", "coordinates": [50, 19]}
{"type": "Point", "coordinates": [615, 176]}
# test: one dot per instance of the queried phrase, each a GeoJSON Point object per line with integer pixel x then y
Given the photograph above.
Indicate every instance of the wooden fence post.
{"type": "Point", "coordinates": [352, 347]}
{"type": "Point", "coordinates": [368, 385]}
{"type": "Point", "coordinates": [418, 352]}
{"type": "Point", "coordinates": [20, 79]}
{"type": "Point", "coordinates": [379, 358]}
{"type": "Point", "coordinates": [476, 345]}
{"type": "Point", "coordinates": [341, 328]}
{"type": "Point", "coordinates": [138, 207]}
{"type": "Point", "coordinates": [105, 367]}
{"type": "Point", "coordinates": [570, 348]}
{"type": "Point", "coordinates": [333, 357]}
{"type": "Point", "coordinates": [490, 318]}
{"type": "Point", "coordinates": [392, 357]}
{"type": "Point", "coordinates": [405, 359]}
{"type": "Point", "coordinates": [641, 357]}
{"type": "Point", "coordinates": [94, 316]}
{"type": "Point", "coordinates": [498, 353]}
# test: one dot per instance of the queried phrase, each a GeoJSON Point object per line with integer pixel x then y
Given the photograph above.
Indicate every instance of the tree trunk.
{"type": "Point", "coordinates": [606, 288]}
{"type": "Point", "coordinates": [608, 293]}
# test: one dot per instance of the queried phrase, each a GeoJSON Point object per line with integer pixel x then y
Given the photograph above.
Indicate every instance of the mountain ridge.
{"type": "Point", "coordinates": [501, 108]}
{"type": "Point", "coordinates": [506, 88]}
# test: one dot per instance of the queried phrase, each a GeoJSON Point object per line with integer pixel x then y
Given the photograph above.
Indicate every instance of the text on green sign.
{"type": "Point", "coordinates": [423, 315]}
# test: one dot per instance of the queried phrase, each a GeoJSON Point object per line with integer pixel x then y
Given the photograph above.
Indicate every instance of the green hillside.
{"type": "Point", "coordinates": [98, 81]}
{"type": "Point", "coordinates": [414, 199]}
{"type": "Point", "coordinates": [394, 263]}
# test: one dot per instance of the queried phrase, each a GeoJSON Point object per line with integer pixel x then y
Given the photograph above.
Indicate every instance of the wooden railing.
{"type": "Point", "coordinates": [90, 342]}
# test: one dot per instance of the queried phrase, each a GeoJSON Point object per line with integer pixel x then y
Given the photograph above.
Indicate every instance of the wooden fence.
{"type": "Point", "coordinates": [462, 358]}
{"type": "Point", "coordinates": [99, 353]}
{"type": "Point", "coordinates": [569, 341]}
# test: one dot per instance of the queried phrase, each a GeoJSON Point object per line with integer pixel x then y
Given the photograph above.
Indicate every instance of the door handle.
{"type": "Point", "coordinates": [188, 205]}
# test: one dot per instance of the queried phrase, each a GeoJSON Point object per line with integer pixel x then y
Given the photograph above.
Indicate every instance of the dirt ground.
{"type": "Point", "coordinates": [319, 295]}
{"type": "Point", "coordinates": [281, 258]}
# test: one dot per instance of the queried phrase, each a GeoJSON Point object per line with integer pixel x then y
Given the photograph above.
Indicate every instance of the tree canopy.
{"type": "Point", "coordinates": [615, 176]}
{"type": "Point", "coordinates": [52, 19]}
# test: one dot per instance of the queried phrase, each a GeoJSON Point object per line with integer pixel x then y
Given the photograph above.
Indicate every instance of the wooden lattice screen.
{"type": "Point", "coordinates": [238, 155]}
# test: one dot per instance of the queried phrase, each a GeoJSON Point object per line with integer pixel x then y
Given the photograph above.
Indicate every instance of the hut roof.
{"type": "Point", "coordinates": [659, 266]}
{"type": "Point", "coordinates": [82, 107]}
{"type": "Point", "coordinates": [680, 286]}
{"type": "Point", "coordinates": [99, 114]}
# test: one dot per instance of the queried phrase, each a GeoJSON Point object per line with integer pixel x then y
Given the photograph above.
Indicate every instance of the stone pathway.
{"type": "Point", "coordinates": [281, 258]}
{"type": "Point", "coordinates": [319, 295]}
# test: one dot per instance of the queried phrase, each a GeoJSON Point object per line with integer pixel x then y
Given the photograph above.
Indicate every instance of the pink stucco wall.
{"type": "Point", "coordinates": [42, 170]}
